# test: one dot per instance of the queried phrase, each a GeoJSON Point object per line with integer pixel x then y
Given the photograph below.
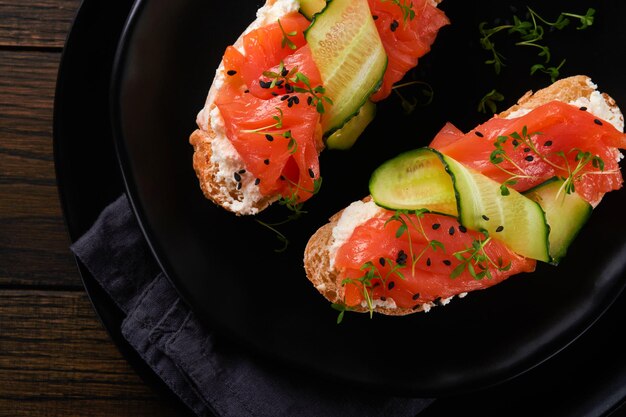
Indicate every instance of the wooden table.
{"type": "Point", "coordinates": [56, 359]}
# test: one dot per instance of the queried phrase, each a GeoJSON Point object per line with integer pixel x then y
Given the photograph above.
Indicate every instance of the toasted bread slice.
{"type": "Point", "coordinates": [578, 90]}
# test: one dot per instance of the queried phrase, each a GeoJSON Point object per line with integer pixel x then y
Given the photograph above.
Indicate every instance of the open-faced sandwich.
{"type": "Point", "coordinates": [303, 76]}
{"type": "Point", "coordinates": [474, 208]}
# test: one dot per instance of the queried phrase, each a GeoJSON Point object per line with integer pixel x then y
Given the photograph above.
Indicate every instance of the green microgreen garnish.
{"type": "Point", "coordinates": [291, 203]}
{"type": "Point", "coordinates": [290, 78]}
{"type": "Point", "coordinates": [524, 139]}
{"type": "Point", "coordinates": [405, 6]}
{"type": "Point", "coordinates": [553, 72]}
{"type": "Point", "coordinates": [476, 261]}
{"type": "Point", "coordinates": [286, 41]}
{"type": "Point", "coordinates": [403, 217]}
{"type": "Point", "coordinates": [409, 105]}
{"type": "Point", "coordinates": [489, 101]}
{"type": "Point", "coordinates": [530, 33]}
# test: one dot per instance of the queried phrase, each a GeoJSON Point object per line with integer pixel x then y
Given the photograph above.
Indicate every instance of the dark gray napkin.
{"type": "Point", "coordinates": [209, 376]}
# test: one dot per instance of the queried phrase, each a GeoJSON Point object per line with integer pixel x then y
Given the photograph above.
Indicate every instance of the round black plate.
{"type": "Point", "coordinates": [226, 267]}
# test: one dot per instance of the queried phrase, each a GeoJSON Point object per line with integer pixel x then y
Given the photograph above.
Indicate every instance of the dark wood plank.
{"type": "Point", "coordinates": [37, 23]}
{"type": "Point", "coordinates": [33, 239]}
{"type": "Point", "coordinates": [57, 360]}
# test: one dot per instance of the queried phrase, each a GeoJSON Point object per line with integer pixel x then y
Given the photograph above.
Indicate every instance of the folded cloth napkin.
{"type": "Point", "coordinates": [209, 378]}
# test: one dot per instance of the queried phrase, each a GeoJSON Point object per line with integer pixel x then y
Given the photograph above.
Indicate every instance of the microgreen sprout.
{"type": "Point", "coordinates": [475, 260]}
{"type": "Point", "coordinates": [406, 222]}
{"type": "Point", "coordinates": [286, 41]}
{"type": "Point", "coordinates": [409, 105]}
{"type": "Point", "coordinates": [489, 100]}
{"type": "Point", "coordinates": [290, 78]}
{"type": "Point", "coordinates": [407, 8]}
{"type": "Point", "coordinates": [524, 138]}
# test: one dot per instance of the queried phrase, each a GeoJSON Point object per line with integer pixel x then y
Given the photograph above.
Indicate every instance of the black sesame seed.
{"type": "Point", "coordinates": [479, 134]}
{"type": "Point", "coordinates": [526, 149]}
{"type": "Point", "coordinates": [515, 142]}
{"type": "Point", "coordinates": [447, 262]}
{"type": "Point", "coordinates": [381, 261]}
{"type": "Point", "coordinates": [383, 298]}
{"type": "Point", "coordinates": [239, 186]}
{"type": "Point", "coordinates": [436, 226]}
{"type": "Point", "coordinates": [548, 143]}
{"type": "Point", "coordinates": [401, 258]}
{"type": "Point", "coordinates": [309, 100]}
{"type": "Point", "coordinates": [374, 17]}
{"type": "Point", "coordinates": [285, 97]}
{"type": "Point", "coordinates": [462, 228]}
{"type": "Point", "coordinates": [529, 158]}
{"type": "Point", "coordinates": [485, 218]}
{"type": "Point", "coordinates": [416, 306]}
{"type": "Point", "coordinates": [275, 94]}
{"type": "Point", "coordinates": [583, 108]}
{"type": "Point", "coordinates": [282, 178]}
{"type": "Point", "coordinates": [416, 296]}
{"type": "Point", "coordinates": [231, 72]}
{"type": "Point", "coordinates": [266, 161]}
{"type": "Point", "coordinates": [284, 72]}
{"type": "Point", "coordinates": [265, 84]}
{"type": "Point", "coordinates": [391, 285]}
{"type": "Point", "coordinates": [269, 137]}
{"type": "Point", "coordinates": [428, 262]}
{"type": "Point", "coordinates": [237, 177]}
{"type": "Point", "coordinates": [597, 121]}
{"type": "Point", "coordinates": [257, 181]}
{"type": "Point", "coordinates": [451, 230]}
{"type": "Point", "coordinates": [279, 83]}
{"type": "Point", "coordinates": [499, 229]}
{"type": "Point", "coordinates": [296, 100]}
{"type": "Point", "coordinates": [311, 173]}
{"type": "Point", "coordinates": [394, 25]}
{"type": "Point", "coordinates": [247, 91]}
{"type": "Point", "coordinates": [290, 103]}
{"type": "Point", "coordinates": [289, 88]}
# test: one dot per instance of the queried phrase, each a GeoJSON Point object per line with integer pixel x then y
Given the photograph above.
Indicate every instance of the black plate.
{"type": "Point", "coordinates": [226, 267]}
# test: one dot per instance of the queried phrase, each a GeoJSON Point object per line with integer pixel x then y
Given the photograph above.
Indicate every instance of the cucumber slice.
{"type": "Point", "coordinates": [425, 179]}
{"type": "Point", "coordinates": [565, 213]}
{"type": "Point", "coordinates": [514, 219]}
{"type": "Point", "coordinates": [350, 56]}
{"type": "Point", "coordinates": [414, 180]}
{"type": "Point", "coordinates": [311, 7]}
{"type": "Point", "coordinates": [345, 137]}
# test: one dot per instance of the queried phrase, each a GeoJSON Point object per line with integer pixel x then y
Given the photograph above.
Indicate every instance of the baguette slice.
{"type": "Point", "coordinates": [577, 90]}
{"type": "Point", "coordinates": [215, 158]}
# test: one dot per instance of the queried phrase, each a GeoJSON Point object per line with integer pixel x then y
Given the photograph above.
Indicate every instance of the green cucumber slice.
{"type": "Point", "coordinates": [514, 219]}
{"type": "Point", "coordinates": [425, 179]}
{"type": "Point", "coordinates": [345, 137]}
{"type": "Point", "coordinates": [414, 180]}
{"type": "Point", "coordinates": [565, 213]}
{"type": "Point", "coordinates": [311, 7]}
{"type": "Point", "coordinates": [350, 56]}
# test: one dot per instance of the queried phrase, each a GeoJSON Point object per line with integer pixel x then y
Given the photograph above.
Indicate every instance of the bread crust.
{"type": "Point", "coordinates": [317, 255]}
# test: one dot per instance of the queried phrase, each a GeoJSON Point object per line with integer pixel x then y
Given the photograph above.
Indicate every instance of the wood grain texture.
{"type": "Point", "coordinates": [40, 23]}
{"type": "Point", "coordinates": [33, 239]}
{"type": "Point", "coordinates": [57, 360]}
